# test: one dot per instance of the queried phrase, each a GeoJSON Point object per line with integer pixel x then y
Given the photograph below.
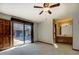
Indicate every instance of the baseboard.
{"type": "Point", "coordinates": [44, 42]}
{"type": "Point", "coordinates": [2, 49]}
{"type": "Point", "coordinates": [75, 49]}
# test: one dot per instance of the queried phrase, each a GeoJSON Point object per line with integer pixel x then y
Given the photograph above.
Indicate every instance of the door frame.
{"type": "Point", "coordinates": [54, 40]}
{"type": "Point", "coordinates": [24, 22]}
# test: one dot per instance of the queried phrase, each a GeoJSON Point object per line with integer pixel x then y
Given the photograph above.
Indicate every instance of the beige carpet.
{"type": "Point", "coordinates": [40, 49]}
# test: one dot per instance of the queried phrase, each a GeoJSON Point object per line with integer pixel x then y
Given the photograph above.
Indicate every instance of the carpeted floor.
{"type": "Point", "coordinates": [40, 49]}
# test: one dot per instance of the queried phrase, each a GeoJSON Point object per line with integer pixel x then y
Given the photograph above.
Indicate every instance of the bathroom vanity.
{"type": "Point", "coordinates": [64, 39]}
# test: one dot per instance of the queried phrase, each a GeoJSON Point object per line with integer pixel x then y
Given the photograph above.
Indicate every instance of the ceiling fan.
{"type": "Point", "coordinates": [46, 7]}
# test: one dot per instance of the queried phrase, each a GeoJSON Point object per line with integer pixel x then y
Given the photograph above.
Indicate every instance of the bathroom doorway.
{"type": "Point", "coordinates": [62, 31]}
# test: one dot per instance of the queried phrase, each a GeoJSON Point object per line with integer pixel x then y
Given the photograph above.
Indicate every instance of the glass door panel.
{"type": "Point", "coordinates": [18, 33]}
{"type": "Point", "coordinates": [28, 33]}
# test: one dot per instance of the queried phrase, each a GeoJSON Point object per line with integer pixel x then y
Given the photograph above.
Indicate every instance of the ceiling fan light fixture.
{"type": "Point", "coordinates": [46, 9]}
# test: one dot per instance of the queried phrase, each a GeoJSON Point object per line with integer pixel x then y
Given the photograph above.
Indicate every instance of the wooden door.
{"type": "Point", "coordinates": [5, 33]}
{"type": "Point", "coordinates": [1, 34]}
{"type": "Point", "coordinates": [6, 30]}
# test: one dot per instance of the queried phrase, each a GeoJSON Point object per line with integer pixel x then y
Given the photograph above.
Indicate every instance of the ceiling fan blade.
{"type": "Point", "coordinates": [55, 5]}
{"type": "Point", "coordinates": [38, 7]}
{"type": "Point", "coordinates": [40, 12]}
{"type": "Point", "coordinates": [49, 12]}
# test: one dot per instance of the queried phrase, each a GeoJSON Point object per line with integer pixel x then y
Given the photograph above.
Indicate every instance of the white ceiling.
{"type": "Point", "coordinates": [26, 10]}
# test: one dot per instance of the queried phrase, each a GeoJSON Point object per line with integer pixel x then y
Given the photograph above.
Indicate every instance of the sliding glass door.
{"type": "Point", "coordinates": [23, 33]}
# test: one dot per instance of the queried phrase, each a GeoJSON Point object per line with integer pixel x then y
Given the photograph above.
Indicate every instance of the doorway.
{"type": "Point", "coordinates": [62, 31]}
{"type": "Point", "coordinates": [22, 32]}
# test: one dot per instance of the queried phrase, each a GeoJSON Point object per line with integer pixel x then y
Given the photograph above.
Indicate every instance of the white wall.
{"type": "Point", "coordinates": [45, 33]}
{"type": "Point", "coordinates": [76, 31]}
{"type": "Point", "coordinates": [35, 32]}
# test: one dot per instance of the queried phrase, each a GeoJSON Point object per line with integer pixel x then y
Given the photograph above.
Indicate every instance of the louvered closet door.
{"type": "Point", "coordinates": [1, 34]}
{"type": "Point", "coordinates": [6, 30]}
